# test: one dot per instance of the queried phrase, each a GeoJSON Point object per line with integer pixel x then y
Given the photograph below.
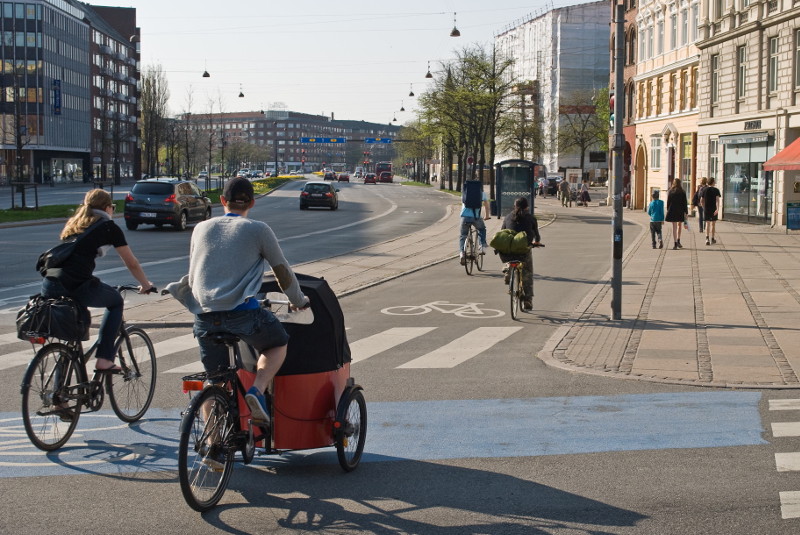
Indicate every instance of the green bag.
{"type": "Point", "coordinates": [506, 241]}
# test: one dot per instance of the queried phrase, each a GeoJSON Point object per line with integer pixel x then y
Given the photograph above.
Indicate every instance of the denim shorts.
{"type": "Point", "coordinates": [257, 327]}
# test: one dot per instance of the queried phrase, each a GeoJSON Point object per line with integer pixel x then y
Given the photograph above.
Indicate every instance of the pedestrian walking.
{"type": "Point", "coordinates": [584, 197]}
{"type": "Point", "coordinates": [656, 211]}
{"type": "Point", "coordinates": [677, 210]}
{"type": "Point", "coordinates": [697, 202]}
{"type": "Point", "coordinates": [566, 193]}
{"type": "Point", "coordinates": [711, 205]}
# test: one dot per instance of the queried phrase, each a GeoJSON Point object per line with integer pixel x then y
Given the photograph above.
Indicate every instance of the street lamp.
{"type": "Point", "coordinates": [454, 32]}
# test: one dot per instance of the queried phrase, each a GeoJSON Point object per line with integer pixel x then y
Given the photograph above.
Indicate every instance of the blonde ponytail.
{"type": "Point", "coordinates": [96, 199]}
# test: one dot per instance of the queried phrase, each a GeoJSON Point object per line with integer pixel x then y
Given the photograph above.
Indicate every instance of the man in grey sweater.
{"type": "Point", "coordinates": [227, 259]}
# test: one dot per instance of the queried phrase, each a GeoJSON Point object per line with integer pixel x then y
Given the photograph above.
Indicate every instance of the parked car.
{"type": "Point", "coordinates": [243, 173]}
{"type": "Point", "coordinates": [165, 201]}
{"type": "Point", "coordinates": [319, 194]}
{"type": "Point", "coordinates": [344, 177]}
{"type": "Point", "coordinates": [369, 178]}
{"type": "Point", "coordinates": [202, 174]}
{"type": "Point", "coordinates": [552, 186]}
{"type": "Point", "coordinates": [386, 176]}
{"type": "Point", "coordinates": [329, 175]}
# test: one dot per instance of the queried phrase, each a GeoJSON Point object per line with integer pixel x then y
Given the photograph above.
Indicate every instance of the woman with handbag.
{"type": "Point", "coordinates": [74, 277]}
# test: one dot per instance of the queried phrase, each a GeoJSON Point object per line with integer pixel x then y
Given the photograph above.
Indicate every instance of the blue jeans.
{"type": "Point", "coordinates": [465, 224]}
{"type": "Point", "coordinates": [258, 327]}
{"type": "Point", "coordinates": [700, 218]}
{"type": "Point", "coordinates": [94, 293]}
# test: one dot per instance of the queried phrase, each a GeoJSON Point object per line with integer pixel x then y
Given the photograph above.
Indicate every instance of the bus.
{"type": "Point", "coordinates": [382, 167]}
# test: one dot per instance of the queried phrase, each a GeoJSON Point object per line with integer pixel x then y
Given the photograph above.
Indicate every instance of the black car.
{"type": "Point", "coordinates": [319, 194]}
{"type": "Point", "coordinates": [329, 175]}
{"type": "Point", "coordinates": [165, 201]}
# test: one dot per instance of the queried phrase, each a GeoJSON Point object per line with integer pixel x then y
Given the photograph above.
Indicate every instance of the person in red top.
{"type": "Point", "coordinates": [75, 277]}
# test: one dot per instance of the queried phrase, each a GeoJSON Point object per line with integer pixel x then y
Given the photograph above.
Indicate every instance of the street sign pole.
{"type": "Point", "coordinates": [619, 147]}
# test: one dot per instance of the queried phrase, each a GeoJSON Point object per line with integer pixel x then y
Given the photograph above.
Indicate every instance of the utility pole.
{"type": "Point", "coordinates": [619, 147]}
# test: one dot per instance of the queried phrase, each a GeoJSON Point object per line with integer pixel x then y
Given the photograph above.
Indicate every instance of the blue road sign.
{"type": "Point", "coordinates": [377, 140]}
{"type": "Point", "coordinates": [323, 140]}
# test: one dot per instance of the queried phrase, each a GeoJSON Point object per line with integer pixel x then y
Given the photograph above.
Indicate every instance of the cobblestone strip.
{"type": "Point", "coordinates": [704, 368]}
{"type": "Point", "coordinates": [640, 323]}
{"type": "Point", "coordinates": [787, 372]}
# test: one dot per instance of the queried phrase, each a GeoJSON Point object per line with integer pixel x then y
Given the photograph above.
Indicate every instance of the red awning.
{"type": "Point", "coordinates": [786, 160]}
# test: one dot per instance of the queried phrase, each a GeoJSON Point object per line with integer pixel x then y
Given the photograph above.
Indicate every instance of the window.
{"type": "Point", "coordinates": [695, 88]}
{"type": "Point", "coordinates": [741, 72]}
{"type": "Point", "coordinates": [673, 93]}
{"type": "Point", "coordinates": [655, 152]}
{"type": "Point", "coordinates": [684, 90]}
{"type": "Point", "coordinates": [684, 26]}
{"type": "Point", "coordinates": [660, 38]}
{"type": "Point", "coordinates": [659, 94]}
{"type": "Point", "coordinates": [772, 75]}
{"type": "Point", "coordinates": [693, 23]}
{"type": "Point", "coordinates": [649, 42]}
{"type": "Point", "coordinates": [673, 31]}
{"type": "Point", "coordinates": [713, 159]}
{"type": "Point", "coordinates": [797, 59]}
{"type": "Point", "coordinates": [649, 102]}
{"type": "Point", "coordinates": [641, 44]}
{"type": "Point", "coordinates": [715, 78]}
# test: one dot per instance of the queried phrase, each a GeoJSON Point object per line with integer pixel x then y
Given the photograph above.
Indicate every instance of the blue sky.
{"type": "Point", "coordinates": [356, 59]}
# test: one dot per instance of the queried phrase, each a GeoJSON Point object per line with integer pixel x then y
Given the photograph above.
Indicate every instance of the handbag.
{"type": "Point", "coordinates": [61, 318]}
{"type": "Point", "coordinates": [56, 256]}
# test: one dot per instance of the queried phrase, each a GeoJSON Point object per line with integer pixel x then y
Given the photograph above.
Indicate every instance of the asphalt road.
{"type": "Point", "coordinates": [468, 432]}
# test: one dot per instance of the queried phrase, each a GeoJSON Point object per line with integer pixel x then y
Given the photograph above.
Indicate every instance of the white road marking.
{"type": "Point", "coordinates": [790, 504]}
{"type": "Point", "coordinates": [786, 429]}
{"type": "Point", "coordinates": [462, 349]}
{"type": "Point", "coordinates": [788, 462]}
{"type": "Point", "coordinates": [378, 343]}
{"type": "Point", "coordinates": [784, 404]}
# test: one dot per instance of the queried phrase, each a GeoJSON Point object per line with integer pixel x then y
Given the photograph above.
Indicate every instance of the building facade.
{"type": "Point", "coordinates": [749, 109]}
{"type": "Point", "coordinates": [561, 52]}
{"type": "Point", "coordinates": [50, 114]}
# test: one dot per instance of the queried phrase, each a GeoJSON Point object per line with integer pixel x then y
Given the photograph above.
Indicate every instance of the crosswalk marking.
{"type": "Point", "coordinates": [784, 404]}
{"type": "Point", "coordinates": [790, 504]}
{"type": "Point", "coordinates": [187, 369]}
{"type": "Point", "coordinates": [786, 429]}
{"type": "Point", "coordinates": [463, 348]}
{"type": "Point", "coordinates": [788, 462]}
{"type": "Point", "coordinates": [378, 343]}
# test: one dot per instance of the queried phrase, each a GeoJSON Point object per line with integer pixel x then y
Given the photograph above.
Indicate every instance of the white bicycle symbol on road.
{"type": "Point", "coordinates": [462, 310]}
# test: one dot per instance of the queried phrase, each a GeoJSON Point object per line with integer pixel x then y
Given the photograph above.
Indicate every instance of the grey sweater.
{"type": "Point", "coordinates": [227, 260]}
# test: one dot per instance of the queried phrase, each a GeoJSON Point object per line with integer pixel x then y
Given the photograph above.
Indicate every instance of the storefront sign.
{"type": "Point", "coordinates": [752, 125]}
{"type": "Point", "coordinates": [741, 139]}
{"type": "Point", "coordinates": [56, 97]}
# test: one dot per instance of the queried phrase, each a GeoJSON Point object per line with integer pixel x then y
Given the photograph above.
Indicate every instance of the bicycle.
{"type": "Point", "coordinates": [213, 429]}
{"type": "Point", "coordinates": [56, 385]}
{"type": "Point", "coordinates": [516, 290]}
{"type": "Point", "coordinates": [471, 256]}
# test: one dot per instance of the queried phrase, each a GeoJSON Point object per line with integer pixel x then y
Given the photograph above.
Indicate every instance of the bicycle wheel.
{"type": "Point", "coordinates": [479, 258]}
{"type": "Point", "coordinates": [351, 429]}
{"type": "Point", "coordinates": [514, 288]}
{"type": "Point", "coordinates": [50, 399]}
{"type": "Point", "coordinates": [131, 391]}
{"type": "Point", "coordinates": [469, 252]}
{"type": "Point", "coordinates": [205, 462]}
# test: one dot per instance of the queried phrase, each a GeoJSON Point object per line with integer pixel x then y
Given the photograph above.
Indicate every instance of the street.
{"type": "Point", "coordinates": [468, 431]}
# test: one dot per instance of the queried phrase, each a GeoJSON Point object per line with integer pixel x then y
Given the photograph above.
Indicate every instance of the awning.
{"type": "Point", "coordinates": [786, 160]}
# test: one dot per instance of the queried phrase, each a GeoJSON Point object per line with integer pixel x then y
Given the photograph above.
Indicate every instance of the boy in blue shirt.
{"type": "Point", "coordinates": [656, 211]}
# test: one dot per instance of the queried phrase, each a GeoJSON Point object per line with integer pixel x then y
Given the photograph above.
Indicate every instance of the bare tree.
{"type": "Point", "coordinates": [153, 106]}
{"type": "Point", "coordinates": [581, 128]}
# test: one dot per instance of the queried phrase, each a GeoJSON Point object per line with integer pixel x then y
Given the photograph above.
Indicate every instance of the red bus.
{"type": "Point", "coordinates": [383, 167]}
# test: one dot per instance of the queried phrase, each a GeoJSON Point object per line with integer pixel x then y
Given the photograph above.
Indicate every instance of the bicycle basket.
{"type": "Point", "coordinates": [60, 318]}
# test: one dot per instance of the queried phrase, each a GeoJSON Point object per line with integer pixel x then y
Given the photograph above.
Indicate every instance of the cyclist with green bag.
{"type": "Point", "coordinates": [521, 220]}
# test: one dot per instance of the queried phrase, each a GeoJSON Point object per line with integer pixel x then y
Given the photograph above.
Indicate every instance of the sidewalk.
{"type": "Point", "coordinates": [723, 315]}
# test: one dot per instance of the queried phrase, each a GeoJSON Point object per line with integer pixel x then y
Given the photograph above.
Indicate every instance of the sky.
{"type": "Point", "coordinates": [358, 60]}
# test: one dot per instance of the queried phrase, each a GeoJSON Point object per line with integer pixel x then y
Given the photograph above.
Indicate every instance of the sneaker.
{"type": "Point", "coordinates": [654, 246]}
{"type": "Point", "coordinates": [215, 459]}
{"type": "Point", "coordinates": [708, 242]}
{"type": "Point", "coordinates": [660, 244]}
{"type": "Point", "coordinates": [527, 305]}
{"type": "Point", "coordinates": [713, 240]}
{"type": "Point", "coordinates": [463, 260]}
{"type": "Point", "coordinates": [258, 405]}
{"type": "Point", "coordinates": [482, 249]}
{"type": "Point", "coordinates": [679, 245]}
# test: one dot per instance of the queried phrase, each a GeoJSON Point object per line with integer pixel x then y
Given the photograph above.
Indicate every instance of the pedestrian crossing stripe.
{"type": "Point", "coordinates": [462, 349]}
{"type": "Point", "coordinates": [787, 461]}
{"type": "Point", "coordinates": [450, 355]}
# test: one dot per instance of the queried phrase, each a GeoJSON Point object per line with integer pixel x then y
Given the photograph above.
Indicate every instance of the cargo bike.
{"type": "Point", "coordinates": [315, 403]}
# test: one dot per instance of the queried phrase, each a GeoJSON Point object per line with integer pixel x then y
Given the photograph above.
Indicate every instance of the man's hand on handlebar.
{"type": "Point", "coordinates": [293, 308]}
{"type": "Point", "coordinates": [151, 289]}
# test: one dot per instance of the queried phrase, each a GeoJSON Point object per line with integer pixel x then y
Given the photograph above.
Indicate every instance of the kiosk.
{"type": "Point", "coordinates": [516, 178]}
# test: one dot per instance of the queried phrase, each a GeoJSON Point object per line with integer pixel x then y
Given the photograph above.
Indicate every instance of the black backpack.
{"type": "Point", "coordinates": [472, 194]}
{"type": "Point", "coordinates": [56, 256]}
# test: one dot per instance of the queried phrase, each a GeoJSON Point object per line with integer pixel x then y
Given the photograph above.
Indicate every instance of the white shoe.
{"type": "Point", "coordinates": [481, 249]}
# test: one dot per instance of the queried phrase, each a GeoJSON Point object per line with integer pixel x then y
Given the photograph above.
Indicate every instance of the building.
{"type": "Point", "coordinates": [268, 139]}
{"type": "Point", "coordinates": [749, 109]}
{"type": "Point", "coordinates": [70, 82]}
{"type": "Point", "coordinates": [663, 97]}
{"type": "Point", "coordinates": [559, 53]}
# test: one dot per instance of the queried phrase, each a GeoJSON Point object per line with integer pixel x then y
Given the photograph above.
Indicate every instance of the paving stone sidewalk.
{"type": "Point", "coordinates": [724, 315]}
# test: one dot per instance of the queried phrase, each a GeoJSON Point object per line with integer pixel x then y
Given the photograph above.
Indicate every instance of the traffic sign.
{"type": "Point", "coordinates": [377, 140]}
{"type": "Point", "coordinates": [323, 140]}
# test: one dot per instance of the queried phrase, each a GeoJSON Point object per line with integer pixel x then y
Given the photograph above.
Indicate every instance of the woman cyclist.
{"type": "Point", "coordinates": [521, 220]}
{"type": "Point", "coordinates": [75, 279]}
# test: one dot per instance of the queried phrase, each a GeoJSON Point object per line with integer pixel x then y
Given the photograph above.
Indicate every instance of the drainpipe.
{"type": "Point", "coordinates": [778, 112]}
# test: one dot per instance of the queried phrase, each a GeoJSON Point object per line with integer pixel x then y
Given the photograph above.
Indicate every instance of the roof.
{"type": "Point", "coordinates": [786, 160]}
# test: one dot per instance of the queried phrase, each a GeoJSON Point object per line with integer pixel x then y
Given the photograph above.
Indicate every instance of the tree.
{"type": "Point", "coordinates": [153, 108]}
{"type": "Point", "coordinates": [580, 127]}
{"type": "Point", "coordinates": [519, 129]}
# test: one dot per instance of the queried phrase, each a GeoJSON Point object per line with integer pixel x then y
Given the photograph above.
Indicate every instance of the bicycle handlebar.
{"type": "Point", "coordinates": [131, 288]}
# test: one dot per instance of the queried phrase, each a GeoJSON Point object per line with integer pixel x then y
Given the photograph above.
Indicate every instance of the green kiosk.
{"type": "Point", "coordinates": [516, 178]}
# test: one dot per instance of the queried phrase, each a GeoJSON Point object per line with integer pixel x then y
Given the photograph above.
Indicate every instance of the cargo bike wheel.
{"type": "Point", "coordinates": [205, 451]}
{"type": "Point", "coordinates": [350, 428]}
